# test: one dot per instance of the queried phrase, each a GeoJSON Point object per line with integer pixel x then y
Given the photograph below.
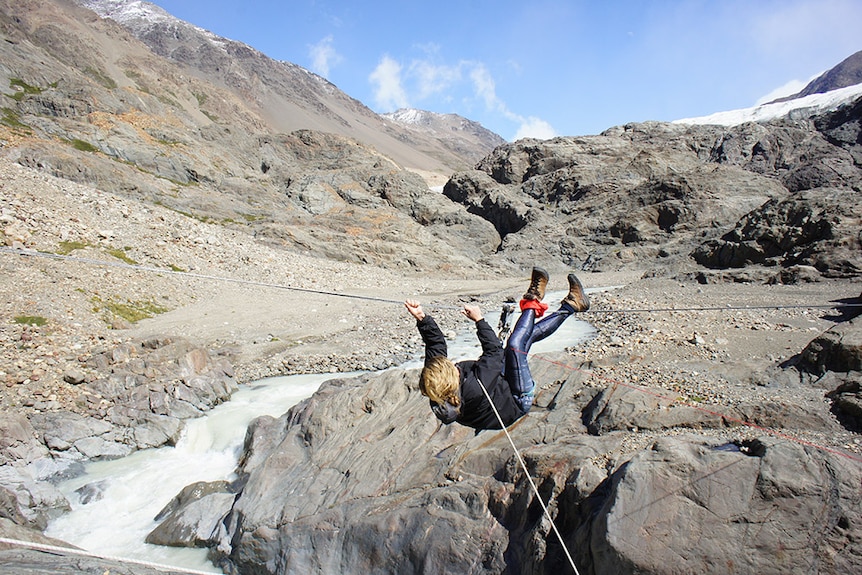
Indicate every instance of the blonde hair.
{"type": "Point", "coordinates": [439, 381]}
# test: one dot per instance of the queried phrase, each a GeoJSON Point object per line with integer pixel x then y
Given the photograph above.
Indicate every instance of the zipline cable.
{"type": "Point", "coordinates": [148, 269]}
{"type": "Point", "coordinates": [137, 267]}
{"type": "Point", "coordinates": [529, 478]}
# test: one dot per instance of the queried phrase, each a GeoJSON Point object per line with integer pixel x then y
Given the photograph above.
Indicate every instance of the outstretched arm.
{"type": "Point", "coordinates": [435, 342]}
{"type": "Point", "coordinates": [473, 312]}
{"type": "Point", "coordinates": [491, 347]}
{"type": "Point", "coordinates": [415, 309]}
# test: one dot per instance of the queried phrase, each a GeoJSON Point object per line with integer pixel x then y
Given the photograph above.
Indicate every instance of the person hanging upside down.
{"type": "Point", "coordinates": [454, 388]}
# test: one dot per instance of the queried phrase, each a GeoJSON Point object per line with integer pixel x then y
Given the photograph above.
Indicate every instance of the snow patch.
{"type": "Point", "coordinates": [411, 116]}
{"type": "Point", "coordinates": [799, 108]}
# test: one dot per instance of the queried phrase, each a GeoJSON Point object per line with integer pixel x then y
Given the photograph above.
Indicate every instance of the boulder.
{"type": "Point", "coordinates": [19, 440]}
{"type": "Point", "coordinates": [847, 402]}
{"type": "Point", "coordinates": [193, 517]}
{"type": "Point", "coordinates": [28, 502]}
{"type": "Point", "coordinates": [628, 407]}
{"type": "Point", "coordinates": [769, 506]}
{"type": "Point", "coordinates": [837, 349]}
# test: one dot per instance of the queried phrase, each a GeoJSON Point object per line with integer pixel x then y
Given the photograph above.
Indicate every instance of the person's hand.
{"type": "Point", "coordinates": [473, 312]}
{"type": "Point", "coordinates": [415, 309]}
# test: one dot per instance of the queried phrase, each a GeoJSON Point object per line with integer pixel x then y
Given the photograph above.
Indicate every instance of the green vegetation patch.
{"type": "Point", "coordinates": [35, 320]}
{"type": "Point", "coordinates": [120, 254]}
{"type": "Point", "coordinates": [131, 311]}
{"type": "Point", "coordinates": [22, 88]}
{"type": "Point", "coordinates": [83, 146]}
{"type": "Point", "coordinates": [11, 119]}
{"type": "Point", "coordinates": [67, 248]}
{"type": "Point", "coordinates": [101, 78]}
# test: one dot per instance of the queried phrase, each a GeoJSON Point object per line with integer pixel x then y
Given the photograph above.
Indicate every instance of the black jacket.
{"type": "Point", "coordinates": [475, 411]}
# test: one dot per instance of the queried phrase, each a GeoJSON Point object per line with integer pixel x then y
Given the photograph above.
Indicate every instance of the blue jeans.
{"type": "Point", "coordinates": [525, 333]}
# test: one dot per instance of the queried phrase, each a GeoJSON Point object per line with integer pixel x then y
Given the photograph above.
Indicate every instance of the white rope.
{"type": "Point", "coordinates": [136, 267]}
{"type": "Point", "coordinates": [530, 479]}
{"type": "Point", "coordinates": [83, 553]}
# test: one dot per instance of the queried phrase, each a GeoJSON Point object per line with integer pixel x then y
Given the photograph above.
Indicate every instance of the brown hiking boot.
{"type": "Point", "coordinates": [576, 296]}
{"type": "Point", "coordinates": [538, 283]}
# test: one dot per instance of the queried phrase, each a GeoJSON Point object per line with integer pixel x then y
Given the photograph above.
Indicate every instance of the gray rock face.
{"type": "Point", "coordinates": [816, 228]}
{"type": "Point", "coordinates": [360, 478]}
{"type": "Point", "coordinates": [778, 194]}
{"type": "Point", "coordinates": [775, 507]}
{"type": "Point", "coordinates": [129, 412]}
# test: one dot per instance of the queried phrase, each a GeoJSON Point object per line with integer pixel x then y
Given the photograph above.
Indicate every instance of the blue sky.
{"type": "Point", "coordinates": [547, 68]}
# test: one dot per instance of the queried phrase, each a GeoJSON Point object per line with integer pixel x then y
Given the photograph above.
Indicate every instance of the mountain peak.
{"type": "Point", "coordinates": [140, 16]}
{"type": "Point", "coordinates": [125, 11]}
{"type": "Point", "coordinates": [847, 73]}
{"type": "Point", "coordinates": [835, 87]}
{"type": "Point", "coordinates": [475, 140]}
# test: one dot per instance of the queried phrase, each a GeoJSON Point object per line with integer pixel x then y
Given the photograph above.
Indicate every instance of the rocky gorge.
{"type": "Point", "coordinates": [162, 249]}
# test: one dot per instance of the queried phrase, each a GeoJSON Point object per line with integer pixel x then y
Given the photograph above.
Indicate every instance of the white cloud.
{"type": "Point", "coordinates": [533, 127]}
{"type": "Point", "coordinates": [389, 93]}
{"type": "Point", "coordinates": [791, 26]}
{"type": "Point", "coordinates": [432, 78]}
{"type": "Point", "coordinates": [324, 56]}
{"type": "Point", "coordinates": [486, 88]}
{"type": "Point", "coordinates": [425, 79]}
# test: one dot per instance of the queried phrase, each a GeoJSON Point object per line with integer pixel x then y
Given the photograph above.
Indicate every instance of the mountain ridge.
{"type": "Point", "coordinates": [846, 73]}
{"type": "Point", "coordinates": [287, 95]}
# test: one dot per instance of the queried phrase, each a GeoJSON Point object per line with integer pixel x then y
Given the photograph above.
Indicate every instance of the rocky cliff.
{"type": "Point", "coordinates": [180, 120]}
{"type": "Point", "coordinates": [360, 479]}
{"type": "Point", "coordinates": [770, 196]}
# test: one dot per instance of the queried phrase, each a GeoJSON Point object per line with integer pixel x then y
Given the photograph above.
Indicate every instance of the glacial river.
{"type": "Point", "coordinates": [132, 490]}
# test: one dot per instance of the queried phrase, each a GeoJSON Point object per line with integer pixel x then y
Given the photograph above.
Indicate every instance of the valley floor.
{"type": "Point", "coordinates": [710, 357]}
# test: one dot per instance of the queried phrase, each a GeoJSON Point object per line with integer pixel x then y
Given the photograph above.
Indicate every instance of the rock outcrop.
{"type": "Point", "coordinates": [139, 396]}
{"type": "Point", "coordinates": [777, 195]}
{"type": "Point", "coordinates": [361, 479]}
